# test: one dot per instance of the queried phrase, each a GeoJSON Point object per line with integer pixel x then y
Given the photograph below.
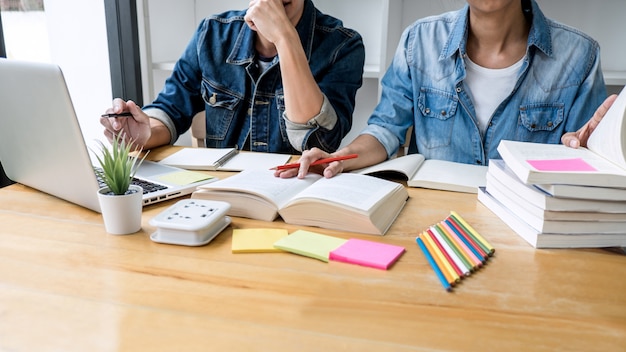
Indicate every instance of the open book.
{"type": "Point", "coordinates": [223, 159]}
{"type": "Point", "coordinates": [434, 174]}
{"type": "Point", "coordinates": [602, 163]}
{"type": "Point", "coordinates": [347, 202]}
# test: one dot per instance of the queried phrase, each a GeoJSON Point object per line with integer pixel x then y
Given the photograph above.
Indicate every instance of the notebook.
{"type": "Point", "coordinates": [42, 146]}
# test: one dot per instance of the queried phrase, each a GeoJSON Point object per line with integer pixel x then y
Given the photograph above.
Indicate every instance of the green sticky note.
{"type": "Point", "coordinates": [184, 177]}
{"type": "Point", "coordinates": [309, 244]}
{"type": "Point", "coordinates": [256, 240]}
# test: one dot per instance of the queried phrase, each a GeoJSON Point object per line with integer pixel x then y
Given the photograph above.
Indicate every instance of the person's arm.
{"type": "Point", "coordinates": [318, 110]}
{"type": "Point", "coordinates": [368, 149]}
{"type": "Point", "coordinates": [303, 97]}
{"type": "Point", "coordinates": [580, 137]}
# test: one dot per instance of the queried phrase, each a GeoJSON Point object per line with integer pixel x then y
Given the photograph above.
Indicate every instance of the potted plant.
{"type": "Point", "coordinates": [120, 201]}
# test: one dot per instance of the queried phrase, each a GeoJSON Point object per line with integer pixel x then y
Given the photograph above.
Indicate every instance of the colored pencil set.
{"type": "Point", "coordinates": [454, 249]}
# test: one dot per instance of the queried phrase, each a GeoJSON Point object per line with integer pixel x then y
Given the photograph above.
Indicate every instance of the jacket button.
{"type": "Point", "coordinates": [213, 99]}
{"type": "Point", "coordinates": [427, 111]}
{"type": "Point", "coordinates": [549, 123]}
{"type": "Point", "coordinates": [443, 113]}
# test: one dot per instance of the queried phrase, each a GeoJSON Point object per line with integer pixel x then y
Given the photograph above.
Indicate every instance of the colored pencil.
{"type": "Point", "coordinates": [453, 249]}
{"type": "Point", "coordinates": [467, 263]}
{"type": "Point", "coordinates": [316, 162]}
{"type": "Point", "coordinates": [448, 271]}
{"type": "Point", "coordinates": [456, 225]}
{"type": "Point", "coordinates": [458, 265]}
{"type": "Point", "coordinates": [445, 253]}
{"type": "Point", "coordinates": [433, 265]}
{"type": "Point", "coordinates": [469, 240]}
{"type": "Point", "coordinates": [473, 232]}
{"type": "Point", "coordinates": [476, 262]}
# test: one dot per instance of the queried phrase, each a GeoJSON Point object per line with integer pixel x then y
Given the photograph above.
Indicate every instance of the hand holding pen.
{"type": "Point", "coordinates": [317, 162]}
{"type": "Point", "coordinates": [314, 159]}
{"type": "Point", "coordinates": [126, 118]}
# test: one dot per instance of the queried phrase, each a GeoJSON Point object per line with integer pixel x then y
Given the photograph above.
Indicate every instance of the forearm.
{"type": "Point", "coordinates": [303, 97]}
{"type": "Point", "coordinates": [160, 135]}
{"type": "Point", "coordinates": [369, 150]}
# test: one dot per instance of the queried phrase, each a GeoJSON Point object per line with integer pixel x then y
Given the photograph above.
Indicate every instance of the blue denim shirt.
{"type": "Point", "coordinates": [218, 73]}
{"type": "Point", "coordinates": [558, 88]}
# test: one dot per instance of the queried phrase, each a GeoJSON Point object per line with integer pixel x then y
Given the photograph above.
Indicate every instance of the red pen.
{"type": "Point", "coordinates": [316, 162]}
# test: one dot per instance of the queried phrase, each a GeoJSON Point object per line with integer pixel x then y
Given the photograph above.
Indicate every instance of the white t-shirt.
{"type": "Point", "coordinates": [488, 87]}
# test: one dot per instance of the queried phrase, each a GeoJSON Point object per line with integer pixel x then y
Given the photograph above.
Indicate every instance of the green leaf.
{"type": "Point", "coordinates": [118, 165]}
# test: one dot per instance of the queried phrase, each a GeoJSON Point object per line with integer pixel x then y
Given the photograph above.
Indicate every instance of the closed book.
{"type": "Point", "coordinates": [540, 239]}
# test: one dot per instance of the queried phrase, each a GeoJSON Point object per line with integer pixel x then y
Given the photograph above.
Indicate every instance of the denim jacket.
{"type": "Point", "coordinates": [218, 73]}
{"type": "Point", "coordinates": [558, 88]}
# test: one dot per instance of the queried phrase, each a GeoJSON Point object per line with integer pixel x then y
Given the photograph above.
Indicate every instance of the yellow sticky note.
{"type": "Point", "coordinates": [256, 240]}
{"type": "Point", "coordinates": [184, 177]}
{"type": "Point", "coordinates": [310, 244]}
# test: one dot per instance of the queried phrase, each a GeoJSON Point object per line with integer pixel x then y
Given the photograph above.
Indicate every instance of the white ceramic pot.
{"type": "Point", "coordinates": [121, 214]}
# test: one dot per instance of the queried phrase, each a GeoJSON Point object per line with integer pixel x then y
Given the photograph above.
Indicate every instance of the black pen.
{"type": "Point", "coordinates": [121, 114]}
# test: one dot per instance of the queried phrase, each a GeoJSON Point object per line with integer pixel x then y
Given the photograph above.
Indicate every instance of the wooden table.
{"type": "Point", "coordinates": [66, 285]}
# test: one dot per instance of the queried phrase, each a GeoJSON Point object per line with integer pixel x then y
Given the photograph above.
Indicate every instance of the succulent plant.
{"type": "Point", "coordinates": [117, 164]}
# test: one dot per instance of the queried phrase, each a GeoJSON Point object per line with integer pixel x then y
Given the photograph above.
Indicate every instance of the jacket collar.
{"type": "Point", "coordinates": [244, 52]}
{"type": "Point", "coordinates": [540, 35]}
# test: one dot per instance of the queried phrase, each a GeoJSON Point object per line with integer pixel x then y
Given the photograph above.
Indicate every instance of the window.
{"type": "Point", "coordinates": [24, 30]}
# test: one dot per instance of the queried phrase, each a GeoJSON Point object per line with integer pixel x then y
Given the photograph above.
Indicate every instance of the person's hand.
{"type": "Point", "coordinates": [134, 129]}
{"type": "Point", "coordinates": [309, 156]}
{"type": "Point", "coordinates": [268, 17]}
{"type": "Point", "coordinates": [580, 137]}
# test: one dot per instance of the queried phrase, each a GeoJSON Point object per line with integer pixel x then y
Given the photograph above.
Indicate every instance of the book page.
{"type": "Point", "coordinates": [609, 137]}
{"type": "Point", "coordinates": [352, 190]}
{"type": "Point", "coordinates": [263, 183]}
{"type": "Point", "coordinates": [522, 152]}
{"type": "Point", "coordinates": [406, 165]}
{"type": "Point", "coordinates": [199, 158]}
{"type": "Point", "coordinates": [254, 161]}
{"type": "Point", "coordinates": [450, 176]}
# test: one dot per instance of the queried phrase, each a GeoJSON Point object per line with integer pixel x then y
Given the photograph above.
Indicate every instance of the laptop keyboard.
{"type": "Point", "coordinates": [148, 187]}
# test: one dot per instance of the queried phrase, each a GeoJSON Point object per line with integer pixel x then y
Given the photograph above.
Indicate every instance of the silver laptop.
{"type": "Point", "coordinates": [41, 144]}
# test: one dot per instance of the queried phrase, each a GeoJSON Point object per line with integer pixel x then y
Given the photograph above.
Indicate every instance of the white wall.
{"type": "Point", "coordinates": [78, 44]}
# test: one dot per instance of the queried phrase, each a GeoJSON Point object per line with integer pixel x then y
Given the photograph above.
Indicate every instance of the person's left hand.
{"type": "Point", "coordinates": [580, 137]}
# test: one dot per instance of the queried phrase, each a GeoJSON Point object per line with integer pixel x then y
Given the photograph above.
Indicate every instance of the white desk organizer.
{"type": "Point", "coordinates": [190, 222]}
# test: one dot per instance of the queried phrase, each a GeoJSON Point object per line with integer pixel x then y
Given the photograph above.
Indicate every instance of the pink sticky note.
{"type": "Point", "coordinates": [367, 253]}
{"type": "Point", "coordinates": [576, 164]}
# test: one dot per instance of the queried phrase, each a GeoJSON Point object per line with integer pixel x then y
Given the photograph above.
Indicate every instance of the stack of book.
{"type": "Point", "coordinates": [554, 196]}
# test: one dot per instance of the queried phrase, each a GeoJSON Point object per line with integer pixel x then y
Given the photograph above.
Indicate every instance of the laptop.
{"type": "Point", "coordinates": [42, 146]}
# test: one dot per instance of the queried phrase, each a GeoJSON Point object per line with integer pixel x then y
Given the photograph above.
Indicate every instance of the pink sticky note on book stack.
{"type": "Point", "coordinates": [367, 253]}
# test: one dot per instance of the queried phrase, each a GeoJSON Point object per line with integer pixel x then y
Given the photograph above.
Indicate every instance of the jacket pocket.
{"type": "Point", "coordinates": [221, 108]}
{"type": "Point", "coordinates": [540, 123]}
{"type": "Point", "coordinates": [435, 121]}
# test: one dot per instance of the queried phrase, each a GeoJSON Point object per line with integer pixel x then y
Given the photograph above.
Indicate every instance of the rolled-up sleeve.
{"type": "Point", "coordinates": [299, 133]}
{"type": "Point", "coordinates": [160, 115]}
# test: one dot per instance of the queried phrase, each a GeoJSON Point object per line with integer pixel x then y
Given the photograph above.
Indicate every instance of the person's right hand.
{"type": "Point", "coordinates": [135, 129]}
{"type": "Point", "coordinates": [309, 156]}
